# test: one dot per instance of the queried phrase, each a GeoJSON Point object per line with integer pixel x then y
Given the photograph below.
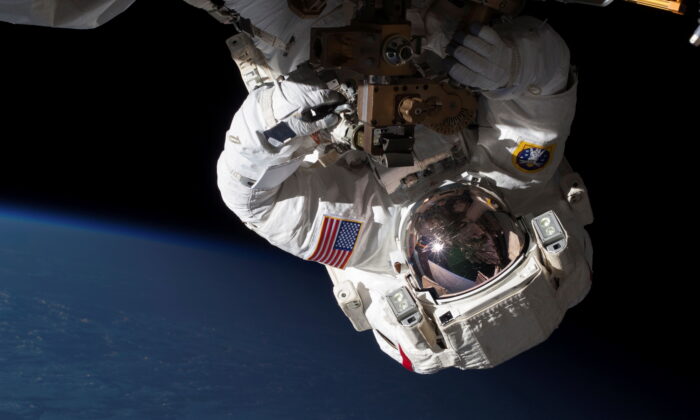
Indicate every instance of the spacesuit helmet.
{"type": "Point", "coordinates": [460, 237]}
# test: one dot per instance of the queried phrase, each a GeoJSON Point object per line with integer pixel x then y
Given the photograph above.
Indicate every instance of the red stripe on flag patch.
{"type": "Point", "coordinates": [336, 241]}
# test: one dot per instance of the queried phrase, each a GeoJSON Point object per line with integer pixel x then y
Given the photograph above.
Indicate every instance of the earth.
{"type": "Point", "coordinates": [101, 321]}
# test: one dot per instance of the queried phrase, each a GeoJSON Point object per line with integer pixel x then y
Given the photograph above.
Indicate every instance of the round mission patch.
{"type": "Point", "coordinates": [530, 157]}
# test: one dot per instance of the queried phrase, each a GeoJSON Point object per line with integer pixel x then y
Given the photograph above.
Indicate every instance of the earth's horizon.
{"type": "Point", "coordinates": [110, 324]}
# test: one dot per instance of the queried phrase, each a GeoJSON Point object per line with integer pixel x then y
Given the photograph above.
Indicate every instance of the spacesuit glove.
{"type": "Point", "coordinates": [481, 59]}
{"type": "Point", "coordinates": [526, 55]}
{"type": "Point", "coordinates": [269, 133]}
{"type": "Point", "coordinates": [292, 111]}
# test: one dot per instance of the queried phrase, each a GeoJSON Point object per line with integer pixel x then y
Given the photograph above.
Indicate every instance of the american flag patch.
{"type": "Point", "coordinates": [336, 241]}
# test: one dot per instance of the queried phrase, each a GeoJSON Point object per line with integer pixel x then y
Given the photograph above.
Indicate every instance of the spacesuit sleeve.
{"type": "Point", "coordinates": [523, 129]}
{"type": "Point", "coordinates": [75, 14]}
{"type": "Point", "coordinates": [333, 215]}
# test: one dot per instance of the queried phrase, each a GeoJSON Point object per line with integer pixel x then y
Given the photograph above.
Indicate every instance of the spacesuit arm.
{"type": "Point", "coordinates": [292, 215]}
{"type": "Point", "coordinates": [295, 207]}
{"type": "Point", "coordinates": [524, 125]}
{"type": "Point", "coordinates": [76, 14]}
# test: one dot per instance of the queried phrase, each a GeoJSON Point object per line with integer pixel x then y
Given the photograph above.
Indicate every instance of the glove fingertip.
{"type": "Point", "coordinates": [490, 35]}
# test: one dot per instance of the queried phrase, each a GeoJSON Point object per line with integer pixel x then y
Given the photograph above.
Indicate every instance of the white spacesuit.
{"type": "Point", "coordinates": [465, 259]}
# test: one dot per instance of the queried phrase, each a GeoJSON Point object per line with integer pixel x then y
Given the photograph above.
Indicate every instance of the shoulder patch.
{"type": "Point", "coordinates": [336, 241]}
{"type": "Point", "coordinates": [530, 158]}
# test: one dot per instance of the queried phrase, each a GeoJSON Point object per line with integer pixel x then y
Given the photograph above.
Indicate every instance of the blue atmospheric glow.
{"type": "Point", "coordinates": [89, 222]}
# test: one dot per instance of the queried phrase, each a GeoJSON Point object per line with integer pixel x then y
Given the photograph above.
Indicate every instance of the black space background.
{"type": "Point", "coordinates": [125, 123]}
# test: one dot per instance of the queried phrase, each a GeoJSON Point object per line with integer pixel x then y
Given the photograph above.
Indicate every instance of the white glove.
{"type": "Point", "coordinates": [289, 101]}
{"type": "Point", "coordinates": [526, 55]}
{"type": "Point", "coordinates": [268, 129]}
{"type": "Point", "coordinates": [481, 59]}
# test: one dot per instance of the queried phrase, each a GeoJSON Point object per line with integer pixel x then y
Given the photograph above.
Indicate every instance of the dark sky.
{"type": "Point", "coordinates": [126, 122]}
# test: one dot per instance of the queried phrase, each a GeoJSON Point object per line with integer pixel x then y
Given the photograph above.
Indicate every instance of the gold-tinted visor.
{"type": "Point", "coordinates": [460, 238]}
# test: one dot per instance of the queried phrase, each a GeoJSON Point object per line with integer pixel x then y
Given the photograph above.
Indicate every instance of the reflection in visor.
{"type": "Point", "coordinates": [459, 239]}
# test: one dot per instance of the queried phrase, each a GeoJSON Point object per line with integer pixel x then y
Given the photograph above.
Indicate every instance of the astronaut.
{"type": "Point", "coordinates": [465, 259]}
